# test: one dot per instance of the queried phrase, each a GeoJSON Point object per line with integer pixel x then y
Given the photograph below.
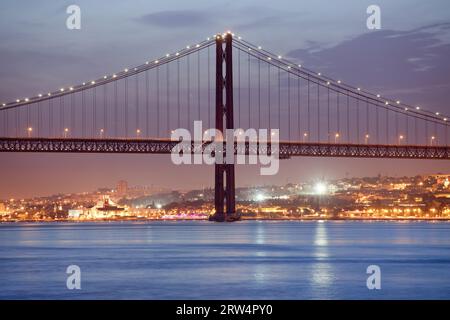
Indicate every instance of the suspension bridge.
{"type": "Point", "coordinates": [227, 83]}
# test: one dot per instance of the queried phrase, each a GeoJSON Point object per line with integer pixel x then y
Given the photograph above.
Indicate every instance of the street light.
{"type": "Point", "coordinates": [433, 140]}
{"type": "Point", "coordinates": [66, 131]}
{"type": "Point", "coordinates": [400, 139]}
{"type": "Point", "coordinates": [305, 136]}
{"type": "Point", "coordinates": [366, 139]}
{"type": "Point", "coordinates": [336, 137]}
{"type": "Point", "coordinates": [29, 131]}
{"type": "Point", "coordinates": [138, 132]}
{"type": "Point", "coordinates": [102, 131]}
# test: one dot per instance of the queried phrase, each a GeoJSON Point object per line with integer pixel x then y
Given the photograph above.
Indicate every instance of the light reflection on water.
{"type": "Point", "coordinates": [245, 260]}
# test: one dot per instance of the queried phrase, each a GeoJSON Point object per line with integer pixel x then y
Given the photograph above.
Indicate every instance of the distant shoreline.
{"type": "Point", "coordinates": [244, 219]}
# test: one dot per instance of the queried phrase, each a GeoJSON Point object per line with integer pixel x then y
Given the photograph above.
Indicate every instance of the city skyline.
{"type": "Point", "coordinates": [415, 74]}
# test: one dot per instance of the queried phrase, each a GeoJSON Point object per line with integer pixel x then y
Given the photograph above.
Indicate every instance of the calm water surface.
{"type": "Point", "coordinates": [245, 260]}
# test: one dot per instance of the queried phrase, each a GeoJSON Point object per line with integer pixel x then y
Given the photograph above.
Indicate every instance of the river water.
{"type": "Point", "coordinates": [243, 260]}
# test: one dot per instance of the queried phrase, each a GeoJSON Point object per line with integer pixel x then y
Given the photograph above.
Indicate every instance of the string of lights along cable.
{"type": "Point", "coordinates": [270, 91]}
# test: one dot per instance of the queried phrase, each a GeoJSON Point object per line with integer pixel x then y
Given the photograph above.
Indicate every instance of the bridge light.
{"type": "Point", "coordinates": [135, 69]}
{"type": "Point", "coordinates": [4, 104]}
{"type": "Point", "coordinates": [336, 137]}
{"type": "Point", "coordinates": [378, 95]}
{"type": "Point", "coordinates": [398, 101]}
{"type": "Point", "coordinates": [445, 119]}
{"type": "Point", "coordinates": [417, 108]}
{"type": "Point", "coordinates": [269, 58]}
{"type": "Point", "coordinates": [62, 89]}
{"type": "Point", "coordinates": [92, 82]}
{"type": "Point", "coordinates": [126, 70]}
{"type": "Point", "coordinates": [40, 95]}
{"type": "Point", "coordinates": [29, 131]}
{"type": "Point", "coordinates": [259, 47]}
{"type": "Point", "coordinates": [339, 81]}
{"type": "Point", "coordinates": [305, 136]}
{"type": "Point", "coordinates": [177, 53]}
{"type": "Point", "coordinates": [71, 88]}
{"type": "Point", "coordinates": [359, 89]}
{"type": "Point", "coordinates": [49, 94]}
{"type": "Point", "coordinates": [299, 65]}
{"type": "Point", "coordinates": [437, 113]}
{"type": "Point", "coordinates": [319, 74]}
{"type": "Point", "coordinates": [188, 47]}
{"type": "Point", "coordinates": [26, 99]}
{"type": "Point", "coordinates": [114, 76]}
{"type": "Point", "coordinates": [17, 100]}
{"type": "Point", "coordinates": [280, 57]}
{"type": "Point", "coordinates": [84, 83]}
{"type": "Point", "coordinates": [156, 61]}
{"type": "Point", "coordinates": [328, 83]}
{"type": "Point", "coordinates": [433, 138]}
{"type": "Point", "coordinates": [197, 45]}
{"type": "Point", "coordinates": [406, 109]}
{"type": "Point", "coordinates": [207, 39]}
{"type": "Point", "coordinates": [289, 67]}
{"type": "Point", "coordinates": [386, 103]}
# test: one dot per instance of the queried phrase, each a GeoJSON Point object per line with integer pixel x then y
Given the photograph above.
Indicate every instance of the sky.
{"type": "Point", "coordinates": [407, 59]}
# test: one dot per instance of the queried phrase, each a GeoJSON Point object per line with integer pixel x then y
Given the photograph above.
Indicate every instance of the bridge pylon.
{"type": "Point", "coordinates": [224, 188]}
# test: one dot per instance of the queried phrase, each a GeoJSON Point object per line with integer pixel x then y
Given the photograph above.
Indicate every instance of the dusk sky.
{"type": "Point", "coordinates": [408, 59]}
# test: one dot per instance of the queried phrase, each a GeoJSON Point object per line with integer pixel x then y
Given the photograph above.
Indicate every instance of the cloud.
{"type": "Point", "coordinates": [390, 62]}
{"type": "Point", "coordinates": [176, 18]}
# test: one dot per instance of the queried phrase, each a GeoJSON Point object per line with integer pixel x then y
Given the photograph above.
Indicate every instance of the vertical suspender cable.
{"type": "Point", "coordinates": [279, 98]}
{"type": "Point", "coordinates": [318, 112]}
{"type": "Point", "coordinates": [198, 85]}
{"type": "Point", "coordinates": [126, 107]}
{"type": "Point", "coordinates": [348, 116]}
{"type": "Point", "coordinates": [357, 121]}
{"type": "Point", "coordinates": [298, 110]}
{"type": "Point", "coordinates": [116, 131]}
{"type": "Point", "coordinates": [289, 106]}
{"type": "Point", "coordinates": [249, 92]}
{"type": "Point", "coordinates": [167, 99]}
{"type": "Point", "coordinates": [137, 102]}
{"type": "Point", "coordinates": [178, 93]}
{"type": "Point", "coordinates": [209, 89]}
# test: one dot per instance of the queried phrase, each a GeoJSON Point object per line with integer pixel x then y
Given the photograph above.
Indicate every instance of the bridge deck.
{"type": "Point", "coordinates": [165, 146]}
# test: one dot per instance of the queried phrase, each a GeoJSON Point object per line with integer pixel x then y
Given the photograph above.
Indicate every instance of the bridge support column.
{"type": "Point", "coordinates": [224, 193]}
